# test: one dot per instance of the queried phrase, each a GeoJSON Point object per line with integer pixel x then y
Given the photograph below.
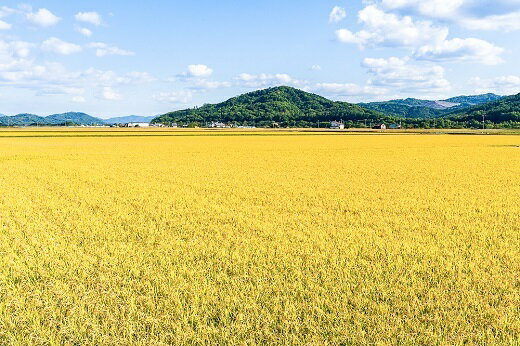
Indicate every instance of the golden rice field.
{"type": "Point", "coordinates": [264, 238]}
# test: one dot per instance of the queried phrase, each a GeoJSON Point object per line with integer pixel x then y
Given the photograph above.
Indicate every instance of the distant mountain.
{"type": "Point", "coordinates": [21, 120]}
{"type": "Point", "coordinates": [283, 105]}
{"type": "Point", "coordinates": [128, 119]}
{"type": "Point", "coordinates": [75, 118]}
{"type": "Point", "coordinates": [417, 108]}
{"type": "Point", "coordinates": [402, 110]}
{"type": "Point", "coordinates": [474, 99]}
{"type": "Point", "coordinates": [503, 110]}
{"type": "Point", "coordinates": [70, 118]}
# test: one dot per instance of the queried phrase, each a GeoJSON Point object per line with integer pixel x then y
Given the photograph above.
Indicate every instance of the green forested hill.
{"type": "Point", "coordinates": [70, 118]}
{"type": "Point", "coordinates": [475, 99]}
{"type": "Point", "coordinates": [503, 111]}
{"type": "Point", "coordinates": [403, 110]}
{"type": "Point", "coordinates": [284, 105]}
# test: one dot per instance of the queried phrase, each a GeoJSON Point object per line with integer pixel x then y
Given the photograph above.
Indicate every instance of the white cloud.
{"type": "Point", "coordinates": [430, 8]}
{"type": "Point", "coordinates": [503, 85]}
{"type": "Point", "coordinates": [268, 80]}
{"type": "Point", "coordinates": [10, 51]}
{"type": "Point", "coordinates": [6, 11]}
{"type": "Point", "coordinates": [110, 94]}
{"type": "Point", "coordinates": [84, 31]}
{"type": "Point", "coordinates": [43, 17]}
{"type": "Point", "coordinates": [390, 30]}
{"type": "Point", "coordinates": [4, 25]}
{"type": "Point", "coordinates": [348, 89]}
{"type": "Point", "coordinates": [79, 99]}
{"type": "Point", "coordinates": [19, 69]}
{"type": "Point", "coordinates": [316, 68]}
{"type": "Point", "coordinates": [469, 49]}
{"type": "Point", "coordinates": [199, 70]}
{"type": "Point", "coordinates": [204, 84]}
{"type": "Point", "coordinates": [337, 14]}
{"type": "Point", "coordinates": [89, 17]}
{"type": "Point", "coordinates": [470, 14]}
{"type": "Point", "coordinates": [400, 75]}
{"type": "Point", "coordinates": [425, 40]}
{"type": "Point", "coordinates": [58, 46]}
{"type": "Point", "coordinates": [110, 78]}
{"type": "Point", "coordinates": [505, 22]}
{"type": "Point", "coordinates": [103, 49]}
{"type": "Point", "coordinates": [175, 97]}
{"type": "Point", "coordinates": [140, 77]}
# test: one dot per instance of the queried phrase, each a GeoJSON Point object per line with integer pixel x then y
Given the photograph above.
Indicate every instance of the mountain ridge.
{"type": "Point", "coordinates": [282, 105]}
{"type": "Point", "coordinates": [418, 108]}
{"type": "Point", "coordinates": [68, 118]}
{"type": "Point", "coordinates": [290, 107]}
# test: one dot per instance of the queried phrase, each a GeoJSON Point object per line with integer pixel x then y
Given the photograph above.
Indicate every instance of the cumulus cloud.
{"type": "Point", "coordinates": [390, 30]}
{"type": "Point", "coordinates": [337, 14]}
{"type": "Point", "coordinates": [503, 85]}
{"type": "Point", "coordinates": [58, 46]}
{"type": "Point", "coordinates": [111, 78]}
{"type": "Point", "coordinates": [18, 68]}
{"type": "Point", "coordinates": [198, 71]}
{"type": "Point", "coordinates": [469, 49]}
{"type": "Point", "coordinates": [6, 11]}
{"type": "Point", "coordinates": [504, 22]}
{"type": "Point", "coordinates": [4, 25]}
{"type": "Point", "coordinates": [174, 97]}
{"type": "Point", "coordinates": [430, 8]}
{"type": "Point", "coordinates": [503, 15]}
{"type": "Point", "coordinates": [400, 74]}
{"type": "Point", "coordinates": [197, 78]}
{"type": "Point", "coordinates": [139, 77]}
{"type": "Point", "coordinates": [43, 17]}
{"type": "Point", "coordinates": [84, 31]}
{"type": "Point", "coordinates": [89, 17]}
{"type": "Point", "coordinates": [103, 49]}
{"type": "Point", "coordinates": [267, 80]}
{"type": "Point", "coordinates": [204, 84]}
{"type": "Point", "coordinates": [110, 94]}
{"type": "Point", "coordinates": [316, 68]}
{"type": "Point", "coordinates": [424, 39]}
{"type": "Point", "coordinates": [12, 50]}
{"type": "Point", "coordinates": [79, 99]}
{"type": "Point", "coordinates": [348, 89]}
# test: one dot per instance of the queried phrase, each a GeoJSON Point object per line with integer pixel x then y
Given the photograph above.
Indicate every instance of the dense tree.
{"type": "Point", "coordinates": [290, 107]}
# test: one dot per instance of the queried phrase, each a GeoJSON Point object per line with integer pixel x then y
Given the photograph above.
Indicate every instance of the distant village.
{"type": "Point", "coordinates": [334, 125]}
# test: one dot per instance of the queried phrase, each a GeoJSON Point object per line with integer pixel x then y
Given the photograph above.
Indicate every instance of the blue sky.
{"type": "Point", "coordinates": [112, 58]}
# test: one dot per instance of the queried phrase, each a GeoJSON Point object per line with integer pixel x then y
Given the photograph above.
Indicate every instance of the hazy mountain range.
{"type": "Point", "coordinates": [293, 107]}
{"type": "Point", "coordinates": [69, 118]}
{"type": "Point", "coordinates": [416, 108]}
{"type": "Point", "coordinates": [286, 106]}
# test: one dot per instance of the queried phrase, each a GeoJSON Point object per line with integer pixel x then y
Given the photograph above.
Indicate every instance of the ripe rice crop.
{"type": "Point", "coordinates": [259, 239]}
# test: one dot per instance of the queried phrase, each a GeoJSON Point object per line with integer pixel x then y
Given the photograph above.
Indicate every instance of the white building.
{"type": "Point", "coordinates": [137, 125]}
{"type": "Point", "coordinates": [337, 125]}
{"type": "Point", "coordinates": [218, 125]}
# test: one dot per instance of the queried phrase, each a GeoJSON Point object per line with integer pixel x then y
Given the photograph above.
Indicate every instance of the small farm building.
{"type": "Point", "coordinates": [337, 125]}
{"type": "Point", "coordinates": [137, 125]}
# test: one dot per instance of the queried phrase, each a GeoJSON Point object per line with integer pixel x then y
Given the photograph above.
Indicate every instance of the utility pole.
{"type": "Point", "coordinates": [483, 121]}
